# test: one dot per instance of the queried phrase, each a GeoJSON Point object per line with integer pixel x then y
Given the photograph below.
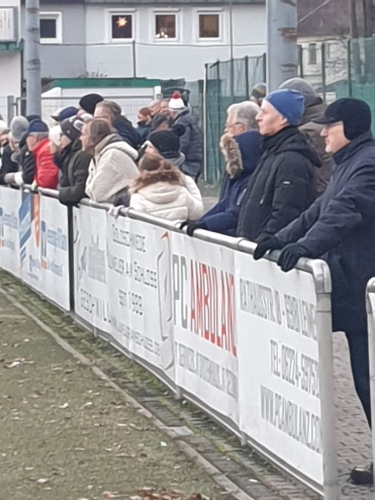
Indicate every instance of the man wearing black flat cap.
{"type": "Point", "coordinates": [340, 228]}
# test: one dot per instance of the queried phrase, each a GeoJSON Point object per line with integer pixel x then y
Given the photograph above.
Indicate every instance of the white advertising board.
{"type": "Point", "coordinates": [279, 363]}
{"type": "Point", "coordinates": [44, 247]}
{"type": "Point", "coordinates": [205, 328]}
{"type": "Point", "coordinates": [139, 277]}
{"type": "Point", "coordinates": [90, 267]}
{"type": "Point", "coordinates": [10, 202]}
{"type": "Point", "coordinates": [34, 242]}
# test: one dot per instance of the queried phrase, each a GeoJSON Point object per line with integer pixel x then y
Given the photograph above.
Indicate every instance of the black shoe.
{"type": "Point", "coordinates": [362, 475]}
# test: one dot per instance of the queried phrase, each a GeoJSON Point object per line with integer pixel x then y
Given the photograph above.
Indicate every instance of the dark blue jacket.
{"type": "Point", "coordinates": [127, 132]}
{"type": "Point", "coordinates": [340, 228]}
{"type": "Point", "coordinates": [223, 217]}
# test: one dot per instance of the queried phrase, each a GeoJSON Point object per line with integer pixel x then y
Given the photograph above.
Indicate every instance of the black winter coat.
{"type": "Point", "coordinates": [282, 186]}
{"type": "Point", "coordinates": [74, 164]}
{"type": "Point", "coordinates": [127, 132]}
{"type": "Point", "coordinates": [340, 228]}
{"type": "Point", "coordinates": [191, 142]}
{"type": "Point", "coordinates": [26, 160]}
{"type": "Point", "coordinates": [8, 166]}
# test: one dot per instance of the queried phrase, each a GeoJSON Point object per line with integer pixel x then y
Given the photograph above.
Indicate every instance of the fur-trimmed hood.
{"type": "Point", "coordinates": [171, 176]}
{"type": "Point", "coordinates": [241, 153]}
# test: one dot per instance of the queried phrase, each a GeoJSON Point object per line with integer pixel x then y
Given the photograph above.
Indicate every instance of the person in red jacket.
{"type": "Point", "coordinates": [46, 172]}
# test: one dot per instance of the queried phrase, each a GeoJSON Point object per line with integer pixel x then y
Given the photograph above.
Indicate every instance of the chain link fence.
{"type": "Point", "coordinates": [226, 83]}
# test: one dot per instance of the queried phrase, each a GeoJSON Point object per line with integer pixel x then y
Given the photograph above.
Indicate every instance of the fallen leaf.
{"type": "Point", "coordinates": [42, 481]}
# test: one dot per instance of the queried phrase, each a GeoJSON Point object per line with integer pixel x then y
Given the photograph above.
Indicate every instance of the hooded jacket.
{"type": "Point", "coordinates": [46, 172]}
{"type": "Point", "coordinates": [282, 186]}
{"type": "Point", "coordinates": [191, 143]}
{"type": "Point", "coordinates": [242, 154]}
{"type": "Point", "coordinates": [74, 164]}
{"type": "Point", "coordinates": [127, 132]}
{"type": "Point", "coordinates": [340, 228]}
{"type": "Point", "coordinates": [111, 169]}
{"type": "Point", "coordinates": [166, 197]}
{"type": "Point", "coordinates": [312, 131]}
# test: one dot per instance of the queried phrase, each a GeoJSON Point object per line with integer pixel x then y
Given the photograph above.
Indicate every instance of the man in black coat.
{"type": "Point", "coordinates": [73, 162]}
{"type": "Point", "coordinates": [340, 228]}
{"type": "Point", "coordinates": [283, 183]}
{"type": "Point", "coordinates": [191, 142]}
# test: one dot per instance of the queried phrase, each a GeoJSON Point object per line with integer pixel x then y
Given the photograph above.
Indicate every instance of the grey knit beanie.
{"type": "Point", "coordinates": [304, 88]}
{"type": "Point", "coordinates": [18, 128]}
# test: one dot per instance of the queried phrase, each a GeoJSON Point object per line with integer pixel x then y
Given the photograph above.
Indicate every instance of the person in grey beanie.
{"type": "Point", "coordinates": [72, 162]}
{"type": "Point", "coordinates": [9, 165]}
{"type": "Point", "coordinates": [18, 128]}
{"type": "Point", "coordinates": [283, 184]}
{"type": "Point", "coordinates": [314, 109]}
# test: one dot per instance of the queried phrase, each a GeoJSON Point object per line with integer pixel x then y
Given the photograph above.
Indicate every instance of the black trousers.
{"type": "Point", "coordinates": [359, 359]}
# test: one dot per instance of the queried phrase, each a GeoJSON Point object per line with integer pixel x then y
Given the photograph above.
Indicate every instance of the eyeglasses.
{"type": "Point", "coordinates": [233, 124]}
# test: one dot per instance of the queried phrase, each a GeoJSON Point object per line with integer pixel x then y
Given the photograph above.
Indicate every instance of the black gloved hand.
{"type": "Point", "coordinates": [183, 225]}
{"type": "Point", "coordinates": [266, 243]}
{"type": "Point", "coordinates": [290, 255]}
{"type": "Point", "coordinates": [192, 226]}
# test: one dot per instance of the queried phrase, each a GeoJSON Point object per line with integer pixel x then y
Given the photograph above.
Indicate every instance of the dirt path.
{"type": "Point", "coordinates": [66, 435]}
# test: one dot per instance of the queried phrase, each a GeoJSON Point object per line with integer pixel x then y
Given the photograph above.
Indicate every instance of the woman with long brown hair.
{"type": "Point", "coordinates": [163, 191]}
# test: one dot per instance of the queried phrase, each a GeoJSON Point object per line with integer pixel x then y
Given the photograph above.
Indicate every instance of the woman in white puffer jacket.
{"type": "Point", "coordinates": [163, 191]}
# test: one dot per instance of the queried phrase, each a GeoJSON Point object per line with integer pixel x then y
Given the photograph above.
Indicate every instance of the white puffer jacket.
{"type": "Point", "coordinates": [174, 202]}
{"type": "Point", "coordinates": [111, 170]}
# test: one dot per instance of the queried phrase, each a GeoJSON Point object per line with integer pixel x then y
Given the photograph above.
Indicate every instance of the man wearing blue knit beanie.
{"type": "Point", "coordinates": [283, 184]}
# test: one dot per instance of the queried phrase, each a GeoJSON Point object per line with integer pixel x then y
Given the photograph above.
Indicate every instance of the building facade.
{"type": "Point", "coordinates": [10, 52]}
{"type": "Point", "coordinates": [145, 38]}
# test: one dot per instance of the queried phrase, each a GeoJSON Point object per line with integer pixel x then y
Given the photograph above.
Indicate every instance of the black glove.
{"type": "Point", "coordinates": [183, 224]}
{"type": "Point", "coordinates": [290, 255]}
{"type": "Point", "coordinates": [266, 243]}
{"type": "Point", "coordinates": [192, 226]}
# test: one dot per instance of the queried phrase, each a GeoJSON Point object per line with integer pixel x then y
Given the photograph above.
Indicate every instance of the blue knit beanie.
{"type": "Point", "coordinates": [289, 103]}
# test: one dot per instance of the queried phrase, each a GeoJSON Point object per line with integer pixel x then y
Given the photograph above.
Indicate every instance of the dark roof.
{"type": "Point", "coordinates": [332, 19]}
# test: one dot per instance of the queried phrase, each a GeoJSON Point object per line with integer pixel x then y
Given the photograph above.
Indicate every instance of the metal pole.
{"type": "Point", "coordinates": [324, 84]}
{"type": "Point", "coordinates": [350, 79]}
{"type": "Point", "coordinates": [231, 49]}
{"type": "Point", "coordinates": [33, 68]}
{"type": "Point", "coordinates": [134, 60]}
{"type": "Point", "coordinates": [282, 53]}
{"type": "Point", "coordinates": [247, 77]}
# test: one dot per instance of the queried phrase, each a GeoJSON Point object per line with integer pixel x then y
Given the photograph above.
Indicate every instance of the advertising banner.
{"type": "Point", "coordinates": [140, 281]}
{"type": "Point", "coordinates": [90, 267]}
{"type": "Point", "coordinates": [205, 323]}
{"type": "Point", "coordinates": [34, 242]}
{"type": "Point", "coordinates": [279, 363]}
{"type": "Point", "coordinates": [10, 202]}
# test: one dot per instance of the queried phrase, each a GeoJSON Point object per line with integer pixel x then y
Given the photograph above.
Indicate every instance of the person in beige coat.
{"type": "Point", "coordinates": [162, 190]}
{"type": "Point", "coordinates": [113, 165]}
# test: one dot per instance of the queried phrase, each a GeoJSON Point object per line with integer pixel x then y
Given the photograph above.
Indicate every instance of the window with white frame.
{"type": "Point", "coordinates": [50, 27]}
{"type": "Point", "coordinates": [121, 26]}
{"type": "Point", "coordinates": [165, 26]}
{"type": "Point", "coordinates": [209, 25]}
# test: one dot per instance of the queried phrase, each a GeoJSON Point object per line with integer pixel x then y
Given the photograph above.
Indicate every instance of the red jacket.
{"type": "Point", "coordinates": [46, 172]}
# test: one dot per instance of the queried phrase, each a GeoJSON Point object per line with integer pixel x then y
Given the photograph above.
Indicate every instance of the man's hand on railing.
{"type": "Point", "coordinates": [266, 243]}
{"type": "Point", "coordinates": [290, 256]}
{"type": "Point", "coordinates": [192, 226]}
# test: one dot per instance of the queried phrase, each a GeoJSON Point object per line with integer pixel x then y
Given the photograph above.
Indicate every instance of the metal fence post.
{"type": "Point", "coordinates": [204, 124]}
{"type": "Point", "coordinates": [264, 67]}
{"type": "Point", "coordinates": [247, 77]}
{"type": "Point", "coordinates": [300, 60]}
{"type": "Point", "coordinates": [134, 53]}
{"type": "Point", "coordinates": [10, 107]}
{"type": "Point", "coordinates": [349, 59]}
{"type": "Point", "coordinates": [324, 89]}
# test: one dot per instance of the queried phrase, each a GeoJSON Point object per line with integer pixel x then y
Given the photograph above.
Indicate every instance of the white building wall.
{"type": "Point", "coordinates": [10, 66]}
{"type": "Point", "coordinates": [184, 57]}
